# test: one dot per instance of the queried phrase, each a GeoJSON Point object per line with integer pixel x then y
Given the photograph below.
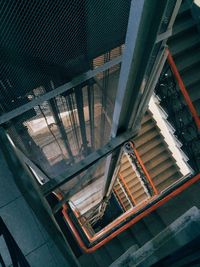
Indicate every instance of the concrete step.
{"type": "Point", "coordinates": [194, 92]}
{"type": "Point", "coordinates": [148, 146]}
{"type": "Point", "coordinates": [141, 233]}
{"type": "Point", "coordinates": [147, 126]}
{"type": "Point", "coordinates": [182, 24]}
{"type": "Point", "coordinates": [127, 172]}
{"type": "Point", "coordinates": [180, 233]}
{"type": "Point", "coordinates": [188, 60]}
{"type": "Point", "coordinates": [125, 165]}
{"type": "Point", "coordinates": [101, 256]}
{"type": "Point", "coordinates": [165, 165]}
{"type": "Point", "coordinates": [83, 260]}
{"type": "Point", "coordinates": [127, 239]}
{"type": "Point", "coordinates": [168, 182]}
{"type": "Point", "coordinates": [190, 39]}
{"type": "Point", "coordinates": [154, 223]}
{"type": "Point", "coordinates": [114, 248]}
{"type": "Point", "coordinates": [197, 106]}
{"type": "Point", "coordinates": [191, 76]}
{"type": "Point", "coordinates": [157, 150]}
{"type": "Point", "coordinates": [142, 140]}
{"type": "Point", "coordinates": [158, 159]}
{"type": "Point", "coordinates": [137, 194]}
{"type": "Point", "coordinates": [146, 117]}
{"type": "Point", "coordinates": [135, 188]}
{"type": "Point", "coordinates": [184, 9]}
{"type": "Point", "coordinates": [166, 178]}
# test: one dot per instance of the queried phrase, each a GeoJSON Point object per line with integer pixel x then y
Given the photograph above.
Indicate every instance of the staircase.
{"type": "Point", "coordinates": [157, 159]}
{"type": "Point", "coordinates": [163, 170]}
{"type": "Point", "coordinates": [177, 245]}
{"type": "Point", "coordinates": [185, 48]}
{"type": "Point", "coordinates": [144, 230]}
{"type": "Point", "coordinates": [136, 236]}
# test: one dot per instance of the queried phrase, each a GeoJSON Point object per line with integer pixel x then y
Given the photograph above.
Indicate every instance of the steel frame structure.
{"type": "Point", "coordinates": [123, 129]}
{"type": "Point", "coordinates": [59, 90]}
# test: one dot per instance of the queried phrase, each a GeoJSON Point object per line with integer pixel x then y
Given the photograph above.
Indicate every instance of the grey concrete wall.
{"type": "Point", "coordinates": [32, 238]}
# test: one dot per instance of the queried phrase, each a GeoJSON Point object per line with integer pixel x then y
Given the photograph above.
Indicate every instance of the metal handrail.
{"type": "Point", "coordinates": [146, 210]}
{"type": "Point", "coordinates": [127, 189]}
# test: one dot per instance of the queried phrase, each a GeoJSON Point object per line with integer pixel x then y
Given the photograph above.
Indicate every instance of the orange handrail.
{"type": "Point", "coordinates": [144, 168]}
{"type": "Point", "coordinates": [119, 198]}
{"type": "Point", "coordinates": [183, 89]}
{"type": "Point", "coordinates": [128, 224]}
{"type": "Point", "coordinates": [127, 189]}
{"type": "Point", "coordinates": [126, 214]}
{"type": "Point", "coordinates": [113, 224]}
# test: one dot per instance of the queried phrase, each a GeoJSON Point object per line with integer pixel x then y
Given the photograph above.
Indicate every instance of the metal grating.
{"type": "Point", "coordinates": [53, 40]}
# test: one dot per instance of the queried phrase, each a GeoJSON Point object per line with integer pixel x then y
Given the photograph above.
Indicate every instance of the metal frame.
{"type": "Point", "coordinates": [81, 117]}
{"type": "Point", "coordinates": [135, 17]}
{"type": "Point", "coordinates": [85, 179]}
{"type": "Point", "coordinates": [155, 74]}
{"type": "Point", "coordinates": [163, 36]}
{"type": "Point", "coordinates": [113, 145]}
{"type": "Point", "coordinates": [87, 162]}
{"type": "Point", "coordinates": [128, 82]}
{"type": "Point", "coordinates": [59, 90]}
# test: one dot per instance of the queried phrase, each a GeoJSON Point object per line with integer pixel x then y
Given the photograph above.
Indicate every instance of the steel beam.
{"type": "Point", "coordinates": [59, 90]}
{"type": "Point", "coordinates": [138, 59]}
{"type": "Point", "coordinates": [80, 108]}
{"type": "Point", "coordinates": [155, 74]}
{"type": "Point", "coordinates": [135, 16]}
{"type": "Point", "coordinates": [128, 56]}
{"type": "Point", "coordinates": [61, 128]}
{"type": "Point", "coordinates": [91, 114]}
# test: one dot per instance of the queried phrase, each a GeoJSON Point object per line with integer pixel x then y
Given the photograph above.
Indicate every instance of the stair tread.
{"type": "Point", "coordinates": [194, 92]}
{"type": "Point", "coordinates": [184, 42]}
{"type": "Point", "coordinates": [141, 232]}
{"type": "Point", "coordinates": [182, 25]}
{"type": "Point", "coordinates": [127, 240]}
{"type": "Point", "coordinates": [160, 148]}
{"type": "Point", "coordinates": [146, 127]}
{"type": "Point", "coordinates": [102, 261]}
{"type": "Point", "coordinates": [114, 249]}
{"type": "Point", "coordinates": [163, 166]}
{"type": "Point", "coordinates": [150, 145]}
{"type": "Point", "coordinates": [169, 181]}
{"type": "Point", "coordinates": [165, 175]}
{"type": "Point", "coordinates": [128, 172]}
{"type": "Point", "coordinates": [83, 260]}
{"type": "Point", "coordinates": [191, 76]}
{"type": "Point", "coordinates": [188, 60]}
{"type": "Point", "coordinates": [154, 223]}
{"type": "Point", "coordinates": [157, 160]}
{"type": "Point", "coordinates": [146, 137]}
{"type": "Point", "coordinates": [185, 7]}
